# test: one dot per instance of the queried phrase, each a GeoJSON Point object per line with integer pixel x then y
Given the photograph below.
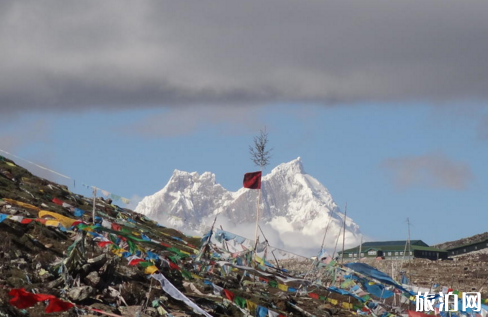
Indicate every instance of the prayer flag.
{"type": "Point", "coordinates": [135, 261]}
{"type": "Point", "coordinates": [412, 313]}
{"type": "Point", "coordinates": [57, 305]}
{"type": "Point", "coordinates": [57, 201]}
{"type": "Point", "coordinates": [103, 244]}
{"type": "Point", "coordinates": [229, 295]}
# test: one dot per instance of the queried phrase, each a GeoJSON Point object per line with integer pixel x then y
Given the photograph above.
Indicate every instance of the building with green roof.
{"type": "Point", "coordinates": [470, 247]}
{"type": "Point", "coordinates": [394, 250]}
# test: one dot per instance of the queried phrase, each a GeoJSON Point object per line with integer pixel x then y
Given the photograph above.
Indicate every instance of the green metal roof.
{"type": "Point", "coordinates": [393, 243]}
{"type": "Point", "coordinates": [467, 245]}
{"type": "Point", "coordinates": [394, 248]}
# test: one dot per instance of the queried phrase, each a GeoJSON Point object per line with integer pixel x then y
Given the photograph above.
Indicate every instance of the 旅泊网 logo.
{"type": "Point", "coordinates": [449, 302]}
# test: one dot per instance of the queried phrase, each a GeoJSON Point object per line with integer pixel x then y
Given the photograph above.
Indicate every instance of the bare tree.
{"type": "Point", "coordinates": [260, 155]}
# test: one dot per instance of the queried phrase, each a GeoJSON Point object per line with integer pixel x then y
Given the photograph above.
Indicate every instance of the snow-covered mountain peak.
{"type": "Point", "coordinates": [184, 179]}
{"type": "Point", "coordinates": [292, 202]}
{"type": "Point", "coordinates": [292, 167]}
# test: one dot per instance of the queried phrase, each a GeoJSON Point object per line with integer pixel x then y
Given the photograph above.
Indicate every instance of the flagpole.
{"type": "Point", "coordinates": [256, 235]}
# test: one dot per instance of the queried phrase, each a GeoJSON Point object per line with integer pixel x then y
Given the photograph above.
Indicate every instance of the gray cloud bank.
{"type": "Point", "coordinates": [431, 170]}
{"type": "Point", "coordinates": [70, 55]}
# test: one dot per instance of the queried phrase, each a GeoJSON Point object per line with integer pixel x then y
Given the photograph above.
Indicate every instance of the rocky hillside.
{"type": "Point", "coordinates": [463, 241]}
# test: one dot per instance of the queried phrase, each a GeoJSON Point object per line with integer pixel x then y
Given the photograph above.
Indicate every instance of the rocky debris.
{"type": "Point", "coordinates": [93, 278]}
{"type": "Point", "coordinates": [79, 294]}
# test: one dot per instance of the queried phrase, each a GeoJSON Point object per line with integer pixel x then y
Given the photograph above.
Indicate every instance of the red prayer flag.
{"type": "Point", "coordinates": [252, 180]}
{"type": "Point", "coordinates": [116, 227]}
{"type": "Point", "coordinates": [136, 261]}
{"type": "Point", "coordinates": [22, 299]}
{"type": "Point", "coordinates": [77, 222]}
{"type": "Point", "coordinates": [173, 266]}
{"type": "Point", "coordinates": [26, 221]}
{"type": "Point", "coordinates": [412, 313]}
{"type": "Point", "coordinates": [229, 295]}
{"type": "Point", "coordinates": [57, 201]}
{"type": "Point", "coordinates": [57, 305]}
{"type": "Point", "coordinates": [103, 244]}
{"type": "Point", "coordinates": [313, 295]}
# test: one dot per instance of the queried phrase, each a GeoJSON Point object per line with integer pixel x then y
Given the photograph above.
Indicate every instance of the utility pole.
{"type": "Point", "coordinates": [344, 234]}
{"type": "Point", "coordinates": [406, 244]}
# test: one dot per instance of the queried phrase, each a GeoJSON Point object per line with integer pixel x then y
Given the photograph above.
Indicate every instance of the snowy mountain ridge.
{"type": "Point", "coordinates": [294, 205]}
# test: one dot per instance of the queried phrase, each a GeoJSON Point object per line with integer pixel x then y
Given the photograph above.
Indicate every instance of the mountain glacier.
{"type": "Point", "coordinates": [295, 208]}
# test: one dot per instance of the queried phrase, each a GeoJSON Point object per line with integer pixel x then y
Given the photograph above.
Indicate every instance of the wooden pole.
{"type": "Point", "coordinates": [257, 220]}
{"type": "Point", "coordinates": [256, 235]}
{"type": "Point", "coordinates": [94, 203]}
{"type": "Point", "coordinates": [277, 263]}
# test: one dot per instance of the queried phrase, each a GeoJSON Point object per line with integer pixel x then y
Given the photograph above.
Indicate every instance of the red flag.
{"type": "Point", "coordinates": [103, 244]}
{"type": "Point", "coordinates": [412, 313]}
{"type": "Point", "coordinates": [173, 266]}
{"type": "Point", "coordinates": [252, 180]}
{"type": "Point", "coordinates": [57, 305]}
{"type": "Point", "coordinates": [22, 299]}
{"type": "Point", "coordinates": [116, 227]}
{"type": "Point", "coordinates": [57, 201]}
{"type": "Point", "coordinates": [313, 295]}
{"type": "Point", "coordinates": [229, 295]}
{"type": "Point", "coordinates": [136, 261]}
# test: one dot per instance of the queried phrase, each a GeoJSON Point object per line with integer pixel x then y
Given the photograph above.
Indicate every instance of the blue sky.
{"type": "Point", "coordinates": [344, 147]}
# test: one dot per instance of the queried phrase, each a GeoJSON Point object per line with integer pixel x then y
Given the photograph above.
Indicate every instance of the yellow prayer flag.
{"type": "Point", "coordinates": [333, 301]}
{"type": "Point", "coordinates": [150, 269]}
{"type": "Point", "coordinates": [11, 164]}
{"type": "Point", "coordinates": [52, 223]}
{"type": "Point", "coordinates": [21, 204]}
{"type": "Point", "coordinates": [65, 221]}
{"type": "Point", "coordinates": [184, 252]}
{"type": "Point", "coordinates": [251, 306]}
{"type": "Point", "coordinates": [196, 276]}
{"type": "Point", "coordinates": [118, 252]}
{"type": "Point", "coordinates": [259, 260]}
{"type": "Point", "coordinates": [283, 287]}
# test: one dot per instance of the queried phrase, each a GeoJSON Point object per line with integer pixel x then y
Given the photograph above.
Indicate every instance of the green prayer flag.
{"type": "Point", "coordinates": [273, 284]}
{"type": "Point", "coordinates": [132, 246]}
{"type": "Point", "coordinates": [239, 301]}
{"type": "Point", "coordinates": [186, 274]}
{"type": "Point", "coordinates": [174, 258]}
